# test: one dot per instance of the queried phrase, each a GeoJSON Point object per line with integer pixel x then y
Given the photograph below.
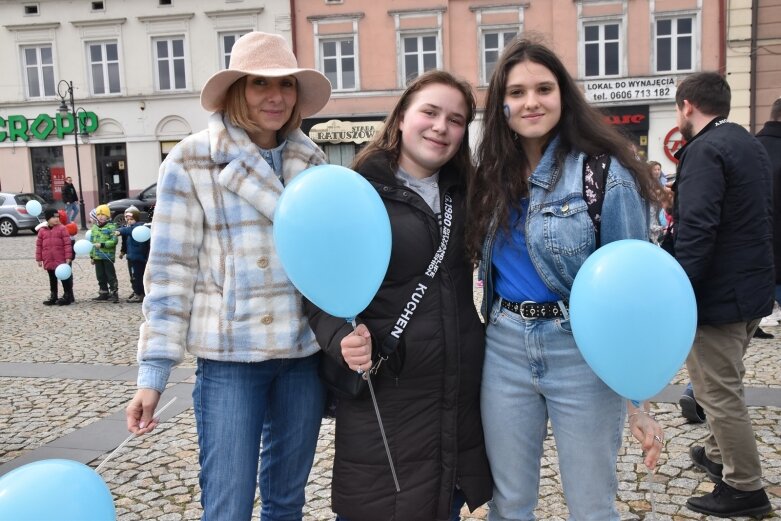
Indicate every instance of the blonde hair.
{"type": "Point", "coordinates": [235, 107]}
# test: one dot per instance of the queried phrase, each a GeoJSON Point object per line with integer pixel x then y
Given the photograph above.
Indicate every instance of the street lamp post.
{"type": "Point", "coordinates": [63, 109]}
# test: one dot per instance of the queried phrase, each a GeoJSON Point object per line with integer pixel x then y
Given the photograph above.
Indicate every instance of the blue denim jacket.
{"type": "Point", "coordinates": [559, 231]}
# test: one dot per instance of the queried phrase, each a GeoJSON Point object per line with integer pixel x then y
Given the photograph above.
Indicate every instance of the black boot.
{"type": "Point", "coordinates": [114, 297]}
{"type": "Point", "coordinates": [103, 295]}
{"type": "Point", "coordinates": [66, 299]}
{"type": "Point", "coordinates": [726, 501]}
{"type": "Point", "coordinates": [52, 299]}
{"type": "Point", "coordinates": [701, 461]}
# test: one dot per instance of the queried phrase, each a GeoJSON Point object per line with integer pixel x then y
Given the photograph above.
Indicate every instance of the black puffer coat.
{"type": "Point", "coordinates": [428, 395]}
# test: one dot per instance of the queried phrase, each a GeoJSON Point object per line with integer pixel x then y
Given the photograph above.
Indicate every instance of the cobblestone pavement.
{"type": "Point", "coordinates": [156, 476]}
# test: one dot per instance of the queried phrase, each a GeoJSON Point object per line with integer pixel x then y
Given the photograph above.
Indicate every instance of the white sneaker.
{"type": "Point", "coordinates": [768, 322]}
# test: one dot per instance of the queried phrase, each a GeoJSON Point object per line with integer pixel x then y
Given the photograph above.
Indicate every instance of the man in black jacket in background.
{"type": "Point", "coordinates": [770, 137]}
{"type": "Point", "coordinates": [70, 199]}
{"type": "Point", "coordinates": [723, 240]}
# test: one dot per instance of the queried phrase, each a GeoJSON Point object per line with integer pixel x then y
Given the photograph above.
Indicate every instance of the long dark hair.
{"type": "Point", "coordinates": [389, 139]}
{"type": "Point", "coordinates": [498, 184]}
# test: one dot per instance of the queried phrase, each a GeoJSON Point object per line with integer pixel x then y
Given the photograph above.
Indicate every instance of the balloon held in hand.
{"type": "Point", "coordinates": [614, 311]}
{"type": "Point", "coordinates": [333, 237]}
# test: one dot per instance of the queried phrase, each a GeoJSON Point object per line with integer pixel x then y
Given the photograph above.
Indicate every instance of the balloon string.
{"type": "Point", "coordinates": [652, 499]}
{"type": "Point", "coordinates": [132, 435]}
{"type": "Point", "coordinates": [367, 377]}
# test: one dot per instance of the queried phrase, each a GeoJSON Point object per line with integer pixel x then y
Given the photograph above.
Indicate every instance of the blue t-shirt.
{"type": "Point", "coordinates": [515, 277]}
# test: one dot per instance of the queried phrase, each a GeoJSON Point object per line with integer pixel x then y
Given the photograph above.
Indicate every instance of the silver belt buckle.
{"type": "Point", "coordinates": [533, 315]}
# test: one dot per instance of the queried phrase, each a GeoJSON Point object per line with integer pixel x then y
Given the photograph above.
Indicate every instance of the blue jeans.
{"type": "Point", "coordinates": [533, 372]}
{"type": "Point", "coordinates": [778, 294]}
{"type": "Point", "coordinates": [459, 500]}
{"type": "Point", "coordinates": [72, 211]}
{"type": "Point", "coordinates": [237, 404]}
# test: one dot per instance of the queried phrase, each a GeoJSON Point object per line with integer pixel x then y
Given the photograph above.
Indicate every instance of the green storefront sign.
{"type": "Point", "coordinates": [14, 128]}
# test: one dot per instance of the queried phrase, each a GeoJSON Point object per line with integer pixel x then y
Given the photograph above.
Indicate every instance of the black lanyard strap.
{"type": "Point", "coordinates": [391, 342]}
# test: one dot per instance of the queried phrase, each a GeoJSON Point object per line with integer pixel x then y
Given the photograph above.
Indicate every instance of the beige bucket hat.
{"type": "Point", "coordinates": [263, 54]}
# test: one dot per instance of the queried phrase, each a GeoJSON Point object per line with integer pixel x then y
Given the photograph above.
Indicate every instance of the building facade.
{"type": "Point", "coordinates": [627, 55]}
{"type": "Point", "coordinates": [136, 67]}
{"type": "Point", "coordinates": [753, 59]}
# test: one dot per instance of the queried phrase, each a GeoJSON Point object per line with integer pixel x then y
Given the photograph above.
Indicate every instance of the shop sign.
{"type": "Point", "coordinates": [632, 118]}
{"type": "Point", "coordinates": [17, 127]}
{"type": "Point", "coordinates": [335, 131]}
{"type": "Point", "coordinates": [630, 89]}
{"type": "Point", "coordinates": [673, 142]}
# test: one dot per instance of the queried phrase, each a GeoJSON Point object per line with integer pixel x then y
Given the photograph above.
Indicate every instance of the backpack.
{"type": "Point", "coordinates": [595, 170]}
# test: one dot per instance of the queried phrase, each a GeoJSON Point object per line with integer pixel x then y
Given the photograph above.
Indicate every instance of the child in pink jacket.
{"type": "Point", "coordinates": [53, 248]}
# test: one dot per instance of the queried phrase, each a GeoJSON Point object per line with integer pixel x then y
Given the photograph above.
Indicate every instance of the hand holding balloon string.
{"type": "Point", "coordinates": [648, 432]}
{"type": "Point", "coordinates": [133, 435]}
{"type": "Point", "coordinates": [357, 349]}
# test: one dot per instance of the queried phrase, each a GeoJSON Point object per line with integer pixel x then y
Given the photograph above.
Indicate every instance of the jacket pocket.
{"type": "Point", "coordinates": [567, 227]}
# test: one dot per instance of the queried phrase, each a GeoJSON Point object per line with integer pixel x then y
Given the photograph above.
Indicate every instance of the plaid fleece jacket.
{"type": "Point", "coordinates": [214, 283]}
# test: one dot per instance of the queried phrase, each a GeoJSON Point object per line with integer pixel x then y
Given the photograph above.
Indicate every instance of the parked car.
{"type": "Point", "coordinates": [13, 213]}
{"type": "Point", "coordinates": [145, 202]}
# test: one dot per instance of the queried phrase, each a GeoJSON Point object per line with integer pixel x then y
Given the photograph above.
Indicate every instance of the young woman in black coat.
{"type": "Point", "coordinates": [428, 389]}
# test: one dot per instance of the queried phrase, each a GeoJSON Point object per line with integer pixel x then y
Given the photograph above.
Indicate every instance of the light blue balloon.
{"type": "Point", "coordinates": [33, 207]}
{"type": "Point", "coordinates": [63, 272]}
{"type": "Point", "coordinates": [55, 489]}
{"type": "Point", "coordinates": [88, 236]}
{"type": "Point", "coordinates": [333, 237]}
{"type": "Point", "coordinates": [141, 233]}
{"type": "Point", "coordinates": [614, 313]}
{"type": "Point", "coordinates": [82, 247]}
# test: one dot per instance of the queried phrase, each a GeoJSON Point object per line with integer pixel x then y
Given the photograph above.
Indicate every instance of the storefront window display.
{"type": "Point", "coordinates": [48, 172]}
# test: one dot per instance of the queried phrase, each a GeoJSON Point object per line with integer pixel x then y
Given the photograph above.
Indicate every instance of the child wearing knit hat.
{"type": "Point", "coordinates": [104, 242]}
{"type": "Point", "coordinates": [137, 253]}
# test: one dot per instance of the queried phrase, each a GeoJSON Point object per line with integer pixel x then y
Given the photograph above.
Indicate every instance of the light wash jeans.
{"type": "Point", "coordinates": [237, 403]}
{"type": "Point", "coordinates": [71, 211]}
{"type": "Point", "coordinates": [533, 371]}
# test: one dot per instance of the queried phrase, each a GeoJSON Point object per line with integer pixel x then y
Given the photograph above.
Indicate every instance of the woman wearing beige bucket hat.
{"type": "Point", "coordinates": [216, 288]}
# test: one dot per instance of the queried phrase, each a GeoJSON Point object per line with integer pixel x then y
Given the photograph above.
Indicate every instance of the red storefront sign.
{"type": "Point", "coordinates": [673, 142]}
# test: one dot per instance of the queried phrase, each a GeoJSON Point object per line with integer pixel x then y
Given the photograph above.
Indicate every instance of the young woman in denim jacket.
{"type": "Point", "coordinates": [531, 231]}
{"type": "Point", "coordinates": [216, 288]}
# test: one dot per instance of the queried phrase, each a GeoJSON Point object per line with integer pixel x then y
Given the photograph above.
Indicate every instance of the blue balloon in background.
{"type": "Point", "coordinates": [63, 272]}
{"type": "Point", "coordinates": [333, 237]}
{"type": "Point", "coordinates": [82, 247]}
{"type": "Point", "coordinates": [614, 312]}
{"type": "Point", "coordinates": [141, 233]}
{"type": "Point", "coordinates": [33, 207]}
{"type": "Point", "coordinates": [55, 490]}
{"type": "Point", "coordinates": [88, 236]}
{"type": "Point", "coordinates": [662, 218]}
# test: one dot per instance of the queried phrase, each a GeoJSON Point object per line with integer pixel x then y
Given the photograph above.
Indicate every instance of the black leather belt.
{"type": "Point", "coordinates": [533, 310]}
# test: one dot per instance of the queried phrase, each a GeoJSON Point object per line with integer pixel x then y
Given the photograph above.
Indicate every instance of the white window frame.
{"type": "Point", "coordinates": [340, 74]}
{"type": "Point", "coordinates": [321, 35]}
{"type": "Point", "coordinates": [485, 76]}
{"type": "Point", "coordinates": [224, 53]}
{"type": "Point", "coordinates": [695, 39]}
{"type": "Point", "coordinates": [104, 63]}
{"type": "Point", "coordinates": [172, 75]}
{"type": "Point", "coordinates": [39, 66]}
{"type": "Point", "coordinates": [419, 35]}
{"type": "Point", "coordinates": [602, 22]}
{"type": "Point", "coordinates": [434, 30]}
